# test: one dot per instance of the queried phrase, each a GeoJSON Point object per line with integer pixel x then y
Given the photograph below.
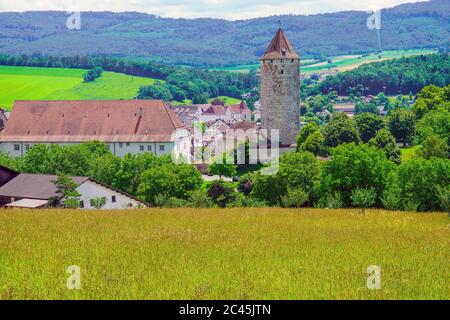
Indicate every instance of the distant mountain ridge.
{"type": "Point", "coordinates": [216, 42]}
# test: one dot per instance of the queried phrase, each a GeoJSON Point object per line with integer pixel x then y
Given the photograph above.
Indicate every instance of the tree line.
{"type": "Point", "coordinates": [405, 75]}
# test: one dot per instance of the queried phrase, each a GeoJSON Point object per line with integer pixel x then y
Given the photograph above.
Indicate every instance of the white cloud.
{"type": "Point", "coordinates": [228, 9]}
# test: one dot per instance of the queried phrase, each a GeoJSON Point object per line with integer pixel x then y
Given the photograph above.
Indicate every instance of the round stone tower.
{"type": "Point", "coordinates": [280, 89]}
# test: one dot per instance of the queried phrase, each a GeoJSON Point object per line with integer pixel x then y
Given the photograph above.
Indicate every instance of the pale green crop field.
{"type": "Point", "coordinates": [342, 63]}
{"type": "Point", "coordinates": [29, 83]}
{"type": "Point", "coordinates": [223, 254]}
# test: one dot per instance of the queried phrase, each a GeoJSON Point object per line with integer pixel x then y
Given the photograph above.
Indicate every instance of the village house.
{"type": "Point", "coordinates": [211, 112]}
{"type": "Point", "coordinates": [189, 114]}
{"type": "Point", "coordinates": [24, 190]}
{"type": "Point", "coordinates": [126, 126]}
{"type": "Point", "coordinates": [347, 108]}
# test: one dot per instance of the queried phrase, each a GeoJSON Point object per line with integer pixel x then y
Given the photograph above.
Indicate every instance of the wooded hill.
{"type": "Point", "coordinates": [215, 42]}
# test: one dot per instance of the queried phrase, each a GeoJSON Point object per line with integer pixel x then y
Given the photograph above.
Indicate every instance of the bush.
{"type": "Point", "coordinates": [419, 181]}
{"type": "Point", "coordinates": [98, 203]}
{"type": "Point", "coordinates": [245, 185]}
{"type": "Point", "coordinates": [443, 195]}
{"type": "Point", "coordinates": [295, 198]}
{"type": "Point", "coordinates": [391, 198]}
{"type": "Point", "coordinates": [331, 201]}
{"type": "Point", "coordinates": [433, 146]}
{"type": "Point", "coordinates": [221, 193]}
{"type": "Point", "coordinates": [200, 199]}
{"type": "Point", "coordinates": [364, 198]}
{"type": "Point", "coordinates": [163, 201]}
{"type": "Point", "coordinates": [241, 201]}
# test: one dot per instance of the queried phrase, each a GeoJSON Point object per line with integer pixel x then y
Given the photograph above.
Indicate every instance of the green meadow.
{"type": "Point", "coordinates": [223, 254]}
{"type": "Point", "coordinates": [29, 83]}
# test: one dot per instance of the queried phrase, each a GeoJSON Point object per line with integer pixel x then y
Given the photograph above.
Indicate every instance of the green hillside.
{"type": "Point", "coordinates": [29, 83]}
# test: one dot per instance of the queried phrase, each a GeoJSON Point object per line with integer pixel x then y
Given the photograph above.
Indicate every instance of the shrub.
{"type": "Point", "coordinates": [331, 201]}
{"type": "Point", "coordinates": [221, 193]}
{"type": "Point", "coordinates": [364, 198]}
{"type": "Point", "coordinates": [295, 198]}
{"type": "Point", "coordinates": [245, 185]}
{"type": "Point", "coordinates": [420, 179]}
{"type": "Point", "coordinates": [163, 201]}
{"type": "Point", "coordinates": [433, 146]}
{"type": "Point", "coordinates": [200, 199]}
{"type": "Point", "coordinates": [241, 201]}
{"type": "Point", "coordinates": [98, 203]}
{"type": "Point", "coordinates": [443, 195]}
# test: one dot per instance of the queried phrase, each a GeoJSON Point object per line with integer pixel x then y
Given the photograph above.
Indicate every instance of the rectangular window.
{"type": "Point", "coordinates": [81, 204]}
{"type": "Point", "coordinates": [113, 199]}
{"type": "Point", "coordinates": [162, 147]}
{"type": "Point", "coordinates": [17, 147]}
{"type": "Point", "coordinates": [121, 145]}
{"type": "Point", "coordinates": [27, 147]}
{"type": "Point", "coordinates": [141, 148]}
{"type": "Point", "coordinates": [149, 148]}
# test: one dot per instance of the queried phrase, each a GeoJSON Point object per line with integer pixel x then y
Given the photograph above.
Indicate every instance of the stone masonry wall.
{"type": "Point", "coordinates": [280, 97]}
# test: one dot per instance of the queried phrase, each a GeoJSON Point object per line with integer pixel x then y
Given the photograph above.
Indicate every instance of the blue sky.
{"type": "Point", "coordinates": [227, 9]}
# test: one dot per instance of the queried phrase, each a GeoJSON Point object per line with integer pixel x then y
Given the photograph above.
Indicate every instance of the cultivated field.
{"type": "Point", "coordinates": [29, 83]}
{"type": "Point", "coordinates": [227, 254]}
{"type": "Point", "coordinates": [341, 63]}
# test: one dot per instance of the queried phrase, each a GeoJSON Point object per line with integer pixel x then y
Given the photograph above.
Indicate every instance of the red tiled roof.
{"type": "Point", "coordinates": [245, 125]}
{"type": "Point", "coordinates": [79, 121]}
{"type": "Point", "coordinates": [238, 108]}
{"type": "Point", "coordinates": [215, 109]}
{"type": "Point", "coordinates": [280, 47]}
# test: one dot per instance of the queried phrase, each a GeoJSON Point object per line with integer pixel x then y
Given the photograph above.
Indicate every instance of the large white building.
{"type": "Point", "coordinates": [126, 126]}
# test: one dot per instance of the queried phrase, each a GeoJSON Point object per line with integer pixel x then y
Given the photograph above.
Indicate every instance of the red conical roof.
{"type": "Point", "coordinates": [280, 48]}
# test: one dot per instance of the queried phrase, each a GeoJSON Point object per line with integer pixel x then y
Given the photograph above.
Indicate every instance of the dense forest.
{"type": "Point", "coordinates": [178, 83]}
{"type": "Point", "coordinates": [215, 42]}
{"type": "Point", "coordinates": [399, 76]}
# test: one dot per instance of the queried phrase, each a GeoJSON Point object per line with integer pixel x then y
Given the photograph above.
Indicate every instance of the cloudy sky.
{"type": "Point", "coordinates": [228, 9]}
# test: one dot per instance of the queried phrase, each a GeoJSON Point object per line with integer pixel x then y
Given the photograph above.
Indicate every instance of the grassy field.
{"type": "Point", "coordinates": [342, 63]}
{"type": "Point", "coordinates": [409, 153]}
{"type": "Point", "coordinates": [27, 83]}
{"type": "Point", "coordinates": [226, 254]}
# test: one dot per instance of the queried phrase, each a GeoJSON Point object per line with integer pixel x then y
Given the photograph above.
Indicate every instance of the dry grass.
{"type": "Point", "coordinates": [226, 254]}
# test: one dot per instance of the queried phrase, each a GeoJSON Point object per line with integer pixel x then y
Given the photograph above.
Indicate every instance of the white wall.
{"type": "Point", "coordinates": [119, 149]}
{"type": "Point", "coordinates": [91, 190]}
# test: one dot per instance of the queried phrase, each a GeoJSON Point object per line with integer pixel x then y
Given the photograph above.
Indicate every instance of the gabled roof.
{"type": "Point", "coordinates": [80, 121]}
{"type": "Point", "coordinates": [33, 186]}
{"type": "Point", "coordinates": [245, 125]}
{"type": "Point", "coordinates": [238, 108]}
{"type": "Point", "coordinates": [215, 110]}
{"type": "Point", "coordinates": [280, 48]}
